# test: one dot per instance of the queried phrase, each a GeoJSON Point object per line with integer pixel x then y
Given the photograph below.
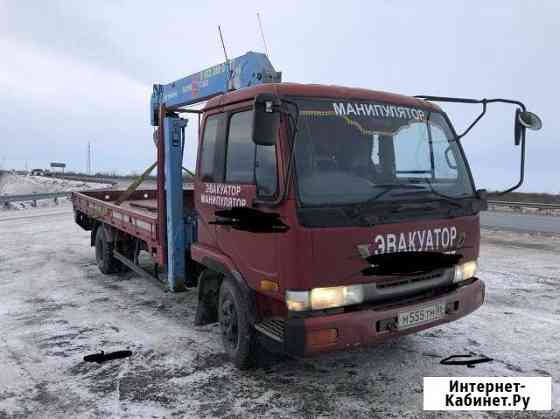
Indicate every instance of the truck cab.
{"type": "Point", "coordinates": [356, 222]}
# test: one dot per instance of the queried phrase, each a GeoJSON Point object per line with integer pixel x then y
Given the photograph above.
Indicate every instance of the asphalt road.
{"type": "Point", "coordinates": [520, 222]}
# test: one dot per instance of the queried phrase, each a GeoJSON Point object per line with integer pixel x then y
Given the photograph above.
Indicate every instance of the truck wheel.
{"type": "Point", "coordinates": [104, 253]}
{"type": "Point", "coordinates": [238, 336]}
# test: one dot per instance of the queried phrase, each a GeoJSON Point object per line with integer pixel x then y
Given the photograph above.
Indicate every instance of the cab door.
{"type": "Point", "coordinates": [238, 161]}
{"type": "Point", "coordinates": [209, 173]}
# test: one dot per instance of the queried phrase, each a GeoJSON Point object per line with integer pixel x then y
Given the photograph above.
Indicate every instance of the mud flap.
{"type": "Point", "coordinates": [208, 291]}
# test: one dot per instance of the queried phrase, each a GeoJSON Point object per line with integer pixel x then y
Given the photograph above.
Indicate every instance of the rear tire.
{"type": "Point", "coordinates": [128, 250]}
{"type": "Point", "coordinates": [238, 335]}
{"type": "Point", "coordinates": [104, 253]}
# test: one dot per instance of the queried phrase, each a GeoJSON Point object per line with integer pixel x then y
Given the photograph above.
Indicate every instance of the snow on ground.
{"type": "Point", "coordinates": [56, 307]}
{"type": "Point", "coordinates": [14, 184]}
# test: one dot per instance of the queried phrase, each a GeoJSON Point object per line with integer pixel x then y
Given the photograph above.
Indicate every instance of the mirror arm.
{"type": "Point", "coordinates": [513, 102]}
{"type": "Point", "coordinates": [521, 167]}
{"type": "Point", "coordinates": [465, 100]}
{"type": "Point", "coordinates": [478, 118]}
{"type": "Point", "coordinates": [484, 103]}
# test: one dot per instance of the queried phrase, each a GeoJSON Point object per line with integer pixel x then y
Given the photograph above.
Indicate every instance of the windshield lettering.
{"type": "Point", "coordinates": [352, 152]}
{"type": "Point", "coordinates": [379, 111]}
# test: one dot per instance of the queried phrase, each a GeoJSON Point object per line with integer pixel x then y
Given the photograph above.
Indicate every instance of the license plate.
{"type": "Point", "coordinates": [421, 315]}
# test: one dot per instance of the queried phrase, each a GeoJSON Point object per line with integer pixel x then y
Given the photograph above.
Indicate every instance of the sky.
{"type": "Point", "coordinates": [79, 72]}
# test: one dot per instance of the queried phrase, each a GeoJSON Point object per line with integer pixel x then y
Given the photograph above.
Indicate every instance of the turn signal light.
{"type": "Point", "coordinates": [322, 337]}
{"type": "Point", "coordinates": [269, 286]}
{"type": "Point", "coordinates": [465, 271]}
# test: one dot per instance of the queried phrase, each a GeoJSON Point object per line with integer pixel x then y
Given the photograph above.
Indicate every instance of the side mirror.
{"type": "Point", "coordinates": [448, 156]}
{"type": "Point", "coordinates": [266, 119]}
{"type": "Point", "coordinates": [524, 120]}
{"type": "Point", "coordinates": [530, 120]}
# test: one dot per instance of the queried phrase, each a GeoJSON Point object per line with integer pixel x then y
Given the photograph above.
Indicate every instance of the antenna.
{"type": "Point", "coordinates": [262, 34]}
{"type": "Point", "coordinates": [223, 45]}
{"type": "Point", "coordinates": [229, 83]}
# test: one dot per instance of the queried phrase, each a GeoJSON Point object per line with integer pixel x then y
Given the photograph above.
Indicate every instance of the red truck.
{"type": "Point", "coordinates": [321, 218]}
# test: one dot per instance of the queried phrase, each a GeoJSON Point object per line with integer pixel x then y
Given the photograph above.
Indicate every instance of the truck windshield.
{"type": "Point", "coordinates": [350, 152]}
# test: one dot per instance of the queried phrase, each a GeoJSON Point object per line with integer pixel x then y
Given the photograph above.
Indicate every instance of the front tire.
{"type": "Point", "coordinates": [238, 336]}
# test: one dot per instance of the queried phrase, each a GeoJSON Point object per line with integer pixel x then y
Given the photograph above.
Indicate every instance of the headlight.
{"type": "Point", "coordinates": [297, 300]}
{"type": "Point", "coordinates": [322, 298]}
{"type": "Point", "coordinates": [465, 271]}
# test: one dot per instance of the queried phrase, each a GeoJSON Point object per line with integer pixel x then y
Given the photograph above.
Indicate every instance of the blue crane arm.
{"type": "Point", "coordinates": [250, 69]}
{"type": "Point", "coordinates": [247, 70]}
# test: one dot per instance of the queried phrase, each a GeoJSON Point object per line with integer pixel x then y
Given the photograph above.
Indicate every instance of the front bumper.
{"type": "Point", "coordinates": [367, 326]}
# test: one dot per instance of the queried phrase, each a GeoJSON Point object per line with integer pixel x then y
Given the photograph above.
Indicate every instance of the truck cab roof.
{"type": "Point", "coordinates": [317, 90]}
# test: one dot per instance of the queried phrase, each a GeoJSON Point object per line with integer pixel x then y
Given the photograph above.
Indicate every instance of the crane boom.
{"type": "Point", "coordinates": [247, 70]}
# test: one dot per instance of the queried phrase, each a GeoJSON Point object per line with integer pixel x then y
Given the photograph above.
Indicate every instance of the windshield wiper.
{"type": "Point", "coordinates": [358, 211]}
{"type": "Point", "coordinates": [454, 201]}
{"type": "Point", "coordinates": [387, 187]}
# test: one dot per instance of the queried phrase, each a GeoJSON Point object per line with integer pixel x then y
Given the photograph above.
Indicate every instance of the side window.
{"type": "Point", "coordinates": [265, 170]}
{"type": "Point", "coordinates": [240, 155]}
{"type": "Point", "coordinates": [209, 148]}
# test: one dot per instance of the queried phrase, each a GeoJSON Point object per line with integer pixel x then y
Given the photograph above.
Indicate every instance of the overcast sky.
{"type": "Point", "coordinates": [73, 72]}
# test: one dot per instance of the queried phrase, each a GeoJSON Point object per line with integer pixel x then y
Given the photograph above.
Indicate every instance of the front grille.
{"type": "Point", "coordinates": [414, 299]}
{"type": "Point", "coordinates": [273, 328]}
{"type": "Point", "coordinates": [404, 281]}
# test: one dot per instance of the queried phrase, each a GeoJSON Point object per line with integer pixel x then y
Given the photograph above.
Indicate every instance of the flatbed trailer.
{"type": "Point", "coordinates": [136, 216]}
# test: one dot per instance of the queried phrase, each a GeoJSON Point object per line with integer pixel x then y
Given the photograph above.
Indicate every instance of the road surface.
{"type": "Point", "coordinates": [56, 307]}
{"type": "Point", "coordinates": [523, 222]}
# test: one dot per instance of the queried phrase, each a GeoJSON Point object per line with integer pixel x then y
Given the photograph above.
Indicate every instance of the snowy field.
{"type": "Point", "coordinates": [13, 184]}
{"type": "Point", "coordinates": [56, 307]}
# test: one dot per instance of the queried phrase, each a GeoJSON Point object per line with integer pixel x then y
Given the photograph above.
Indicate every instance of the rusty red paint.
{"type": "Point", "coordinates": [316, 90]}
{"type": "Point", "coordinates": [95, 205]}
